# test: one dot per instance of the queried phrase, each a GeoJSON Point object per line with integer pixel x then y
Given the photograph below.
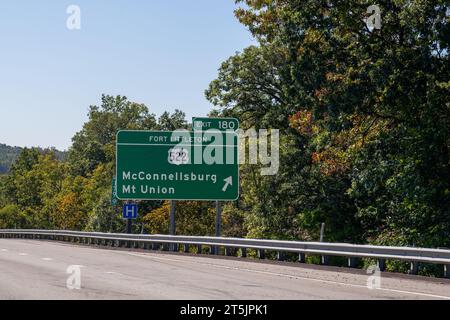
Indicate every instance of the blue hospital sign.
{"type": "Point", "coordinates": [130, 211]}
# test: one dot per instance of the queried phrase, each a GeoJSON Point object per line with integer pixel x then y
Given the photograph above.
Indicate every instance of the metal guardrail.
{"type": "Point", "coordinates": [155, 242]}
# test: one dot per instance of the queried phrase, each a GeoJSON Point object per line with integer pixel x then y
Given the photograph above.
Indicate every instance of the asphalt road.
{"type": "Point", "coordinates": [38, 270]}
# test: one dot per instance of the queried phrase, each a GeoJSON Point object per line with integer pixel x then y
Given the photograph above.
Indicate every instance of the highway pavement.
{"type": "Point", "coordinates": [31, 269]}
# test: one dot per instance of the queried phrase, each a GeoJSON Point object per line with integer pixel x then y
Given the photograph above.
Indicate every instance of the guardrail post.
{"type": "Point", "coordinates": [280, 256]}
{"type": "Point", "coordinates": [186, 248]}
{"type": "Point", "coordinates": [244, 252]}
{"type": "Point", "coordinates": [414, 268]}
{"type": "Point", "coordinates": [352, 262]}
{"type": "Point", "coordinates": [447, 271]}
{"type": "Point", "coordinates": [325, 260]}
{"type": "Point", "coordinates": [261, 254]}
{"type": "Point", "coordinates": [381, 263]}
{"type": "Point", "coordinates": [228, 251]}
{"type": "Point", "coordinates": [302, 257]}
{"type": "Point", "coordinates": [199, 249]}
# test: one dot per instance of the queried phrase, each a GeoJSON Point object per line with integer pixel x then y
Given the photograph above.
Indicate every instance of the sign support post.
{"type": "Point", "coordinates": [129, 225]}
{"type": "Point", "coordinates": [218, 224]}
{"type": "Point", "coordinates": [172, 226]}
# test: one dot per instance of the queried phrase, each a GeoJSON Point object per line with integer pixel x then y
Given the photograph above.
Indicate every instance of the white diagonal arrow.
{"type": "Point", "coordinates": [228, 182]}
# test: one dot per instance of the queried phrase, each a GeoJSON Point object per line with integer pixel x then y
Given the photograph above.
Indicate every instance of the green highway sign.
{"type": "Point", "coordinates": [178, 165]}
{"type": "Point", "coordinates": [222, 124]}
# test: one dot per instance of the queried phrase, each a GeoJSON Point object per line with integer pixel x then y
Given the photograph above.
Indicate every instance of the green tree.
{"type": "Point", "coordinates": [172, 122]}
{"type": "Point", "coordinates": [95, 143]}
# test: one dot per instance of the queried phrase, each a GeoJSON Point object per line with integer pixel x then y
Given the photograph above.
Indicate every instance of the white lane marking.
{"type": "Point", "coordinates": [294, 277]}
{"type": "Point", "coordinates": [4, 250]}
{"type": "Point", "coordinates": [114, 273]}
{"type": "Point", "coordinates": [23, 254]}
{"type": "Point", "coordinates": [47, 259]}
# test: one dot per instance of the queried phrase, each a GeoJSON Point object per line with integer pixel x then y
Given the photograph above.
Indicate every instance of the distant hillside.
{"type": "Point", "coordinates": [7, 157]}
{"type": "Point", "coordinates": [9, 154]}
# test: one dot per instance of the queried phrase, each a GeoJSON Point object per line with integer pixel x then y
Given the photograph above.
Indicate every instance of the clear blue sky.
{"type": "Point", "coordinates": [162, 53]}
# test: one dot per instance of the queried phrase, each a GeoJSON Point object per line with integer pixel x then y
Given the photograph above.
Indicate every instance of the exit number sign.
{"type": "Point", "coordinates": [222, 124]}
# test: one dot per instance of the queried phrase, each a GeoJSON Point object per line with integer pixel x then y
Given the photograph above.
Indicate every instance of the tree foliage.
{"type": "Point", "coordinates": [44, 191]}
{"type": "Point", "coordinates": [364, 114]}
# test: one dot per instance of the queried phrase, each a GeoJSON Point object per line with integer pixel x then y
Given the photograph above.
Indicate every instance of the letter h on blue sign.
{"type": "Point", "coordinates": [130, 211]}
